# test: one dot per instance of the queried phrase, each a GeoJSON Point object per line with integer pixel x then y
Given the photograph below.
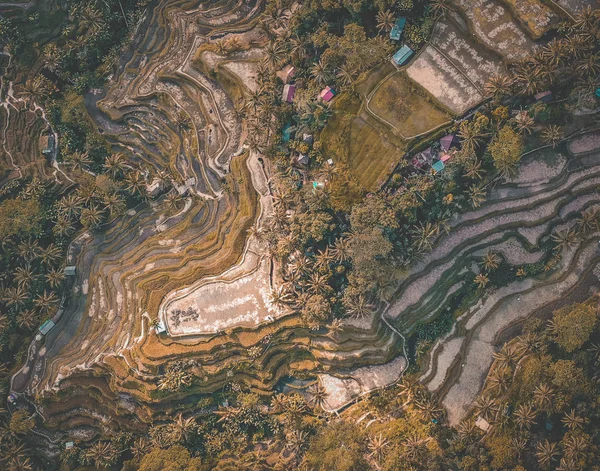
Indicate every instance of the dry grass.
{"type": "Point", "coordinates": [407, 106]}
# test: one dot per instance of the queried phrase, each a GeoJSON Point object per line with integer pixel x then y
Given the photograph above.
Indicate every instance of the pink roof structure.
{"type": "Point", "coordinates": [445, 158]}
{"type": "Point", "coordinates": [327, 94]}
{"type": "Point", "coordinates": [288, 93]}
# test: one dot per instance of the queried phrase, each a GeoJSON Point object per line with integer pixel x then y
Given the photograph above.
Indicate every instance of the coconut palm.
{"type": "Point", "coordinates": [425, 235]}
{"type": "Point", "coordinates": [552, 135]}
{"type": "Point", "coordinates": [63, 227]}
{"type": "Point", "coordinates": [298, 47]}
{"type": "Point", "coordinates": [50, 255]}
{"type": "Point", "coordinates": [19, 464]}
{"type": "Point", "coordinates": [341, 250]}
{"type": "Point", "coordinates": [45, 301]}
{"type": "Point", "coordinates": [91, 217]}
{"type": "Point", "coordinates": [543, 395]}
{"type": "Point", "coordinates": [385, 20]}
{"type": "Point", "coordinates": [274, 54]}
{"type": "Point", "coordinates": [27, 319]}
{"type": "Point", "coordinates": [15, 297]}
{"type": "Point", "coordinates": [358, 307]}
{"type": "Point", "coordinates": [324, 258]}
{"type": "Point", "coordinates": [428, 407]}
{"type": "Point", "coordinates": [24, 276]}
{"type": "Point", "coordinates": [476, 195]}
{"type": "Point", "coordinates": [377, 445]}
{"type": "Point", "coordinates": [498, 86]}
{"type": "Point", "coordinates": [525, 416]}
{"type": "Point", "coordinates": [507, 356]}
{"type": "Point", "coordinates": [296, 441]}
{"type": "Point", "coordinates": [481, 280]}
{"type": "Point", "coordinates": [491, 261]}
{"type": "Point", "coordinates": [301, 265]}
{"type": "Point", "coordinates": [320, 73]}
{"type": "Point", "coordinates": [173, 200]}
{"type": "Point", "coordinates": [34, 89]}
{"type": "Point", "coordinates": [575, 447]}
{"type": "Point", "coordinates": [487, 407]}
{"type": "Point", "coordinates": [114, 165]}
{"type": "Point", "coordinates": [114, 203]}
{"type": "Point", "coordinates": [346, 76]}
{"type": "Point", "coordinates": [588, 222]}
{"type": "Point", "coordinates": [227, 414]}
{"type": "Point", "coordinates": [80, 160]}
{"type": "Point", "coordinates": [175, 380]}
{"type": "Point", "coordinates": [317, 395]}
{"type": "Point", "coordinates": [439, 8]}
{"type": "Point", "coordinates": [29, 250]}
{"type": "Point", "coordinates": [55, 277]}
{"type": "Point", "coordinates": [524, 122]}
{"type": "Point", "coordinates": [529, 79]}
{"type": "Point", "coordinates": [91, 20]}
{"type": "Point", "coordinates": [573, 421]}
{"type": "Point", "coordinates": [181, 429]}
{"type": "Point", "coordinates": [280, 297]}
{"type": "Point", "coordinates": [499, 380]}
{"type": "Point", "coordinates": [70, 205]}
{"type": "Point", "coordinates": [102, 454]}
{"type": "Point", "coordinates": [136, 184]}
{"type": "Point", "coordinates": [568, 464]}
{"type": "Point", "coordinates": [140, 447]}
{"type": "Point", "coordinates": [470, 135]}
{"type": "Point", "coordinates": [564, 239]}
{"type": "Point", "coordinates": [546, 453]}
{"type": "Point", "coordinates": [415, 447]}
{"type": "Point", "coordinates": [319, 284]}
{"type": "Point", "coordinates": [473, 169]}
{"type": "Point", "coordinates": [467, 429]}
{"type": "Point", "coordinates": [589, 65]}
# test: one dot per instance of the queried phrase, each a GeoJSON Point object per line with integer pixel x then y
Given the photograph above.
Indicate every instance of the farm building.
{"type": "Point", "coordinates": [70, 270]}
{"type": "Point", "coordinates": [543, 97]}
{"type": "Point", "coordinates": [449, 141]}
{"type": "Point", "coordinates": [396, 32]}
{"type": "Point", "coordinates": [287, 73]}
{"type": "Point", "coordinates": [46, 327]}
{"type": "Point", "coordinates": [288, 93]}
{"type": "Point", "coordinates": [327, 94]}
{"type": "Point", "coordinates": [438, 166]}
{"type": "Point", "coordinates": [46, 143]}
{"type": "Point", "coordinates": [403, 55]}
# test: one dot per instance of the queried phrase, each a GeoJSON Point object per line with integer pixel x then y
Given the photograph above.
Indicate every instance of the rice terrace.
{"type": "Point", "coordinates": [310, 235]}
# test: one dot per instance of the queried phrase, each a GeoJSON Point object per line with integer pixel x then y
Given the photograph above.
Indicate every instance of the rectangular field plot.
{"type": "Point", "coordinates": [407, 107]}
{"type": "Point", "coordinates": [575, 6]}
{"type": "Point", "coordinates": [534, 15]}
{"type": "Point", "coordinates": [495, 27]}
{"type": "Point", "coordinates": [470, 57]}
{"type": "Point", "coordinates": [434, 72]}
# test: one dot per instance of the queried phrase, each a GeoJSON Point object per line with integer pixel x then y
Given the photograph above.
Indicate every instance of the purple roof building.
{"type": "Point", "coordinates": [327, 94]}
{"type": "Point", "coordinates": [448, 142]}
{"type": "Point", "coordinates": [288, 93]}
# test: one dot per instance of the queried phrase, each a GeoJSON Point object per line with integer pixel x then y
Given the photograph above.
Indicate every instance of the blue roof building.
{"type": "Point", "coordinates": [396, 32]}
{"type": "Point", "coordinates": [438, 166]}
{"type": "Point", "coordinates": [46, 327]}
{"type": "Point", "coordinates": [403, 54]}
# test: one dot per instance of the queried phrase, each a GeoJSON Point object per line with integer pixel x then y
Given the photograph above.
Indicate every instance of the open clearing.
{"type": "Point", "coordinates": [406, 106]}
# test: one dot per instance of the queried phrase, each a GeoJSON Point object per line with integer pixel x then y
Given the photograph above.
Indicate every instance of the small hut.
{"type": "Point", "coordinates": [403, 55]}
{"type": "Point", "coordinates": [396, 32]}
{"type": "Point", "coordinates": [287, 73]}
{"type": "Point", "coordinates": [288, 93]}
{"type": "Point", "coordinates": [327, 94]}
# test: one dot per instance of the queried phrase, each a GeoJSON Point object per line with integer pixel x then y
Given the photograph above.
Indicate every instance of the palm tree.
{"type": "Point", "coordinates": [487, 407]}
{"type": "Point", "coordinates": [298, 47]}
{"type": "Point", "coordinates": [500, 379]}
{"type": "Point", "coordinates": [175, 380]}
{"type": "Point", "coordinates": [114, 165]}
{"type": "Point", "coordinates": [568, 464]}
{"type": "Point", "coordinates": [114, 203]}
{"type": "Point", "coordinates": [525, 416]}
{"type": "Point", "coordinates": [575, 447]}
{"type": "Point", "coordinates": [377, 446]}
{"type": "Point", "coordinates": [319, 284]}
{"type": "Point", "coordinates": [15, 297]}
{"type": "Point", "coordinates": [529, 79]}
{"type": "Point", "coordinates": [320, 73]}
{"type": "Point", "coordinates": [346, 76]}
{"type": "Point", "coordinates": [140, 447]}
{"type": "Point", "coordinates": [466, 429]}
{"type": "Point", "coordinates": [50, 255]}
{"type": "Point", "coordinates": [34, 89]}
{"type": "Point", "coordinates": [573, 421]}
{"type": "Point", "coordinates": [341, 250]}
{"type": "Point", "coordinates": [80, 160]}
{"type": "Point", "coordinates": [324, 259]}
{"type": "Point", "coordinates": [564, 239]}
{"type": "Point", "coordinates": [19, 464]}
{"type": "Point", "coordinates": [45, 301]}
{"type": "Point", "coordinates": [317, 395]}
{"type": "Point", "coordinates": [507, 356]}
{"type": "Point", "coordinates": [29, 250]}
{"type": "Point", "coordinates": [27, 319]}
{"type": "Point", "coordinates": [543, 396]}
{"type": "Point", "coordinates": [181, 429]}
{"type": "Point", "coordinates": [91, 217]}
{"type": "Point", "coordinates": [63, 227]}
{"type": "Point", "coordinates": [70, 205]}
{"type": "Point", "coordinates": [481, 280]}
{"type": "Point", "coordinates": [425, 235]}
{"type": "Point", "coordinates": [415, 447]}
{"type": "Point", "coordinates": [173, 200]}
{"type": "Point", "coordinates": [524, 122]}
{"type": "Point", "coordinates": [439, 7]}
{"type": "Point", "coordinates": [471, 135]}
{"type": "Point", "coordinates": [358, 307]}
{"type": "Point", "coordinates": [102, 454]}
{"type": "Point", "coordinates": [136, 184]}
{"type": "Point", "coordinates": [552, 134]}
{"type": "Point", "coordinates": [498, 86]}
{"type": "Point", "coordinates": [588, 222]}
{"type": "Point", "coordinates": [590, 65]}
{"type": "Point", "coordinates": [491, 261]}
{"type": "Point", "coordinates": [296, 441]}
{"type": "Point", "coordinates": [473, 169]}
{"type": "Point", "coordinates": [301, 265]}
{"type": "Point", "coordinates": [280, 297]}
{"type": "Point", "coordinates": [477, 195]}
{"type": "Point", "coordinates": [274, 54]}
{"type": "Point", "coordinates": [91, 20]}
{"type": "Point", "coordinates": [385, 20]}
{"type": "Point", "coordinates": [24, 276]}
{"type": "Point", "coordinates": [546, 453]}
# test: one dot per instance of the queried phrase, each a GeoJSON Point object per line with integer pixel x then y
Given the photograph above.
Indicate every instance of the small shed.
{"type": "Point", "coordinates": [327, 94]}
{"type": "Point", "coordinates": [46, 327]}
{"type": "Point", "coordinates": [445, 158]}
{"type": "Point", "coordinates": [46, 143]}
{"type": "Point", "coordinates": [543, 97]}
{"type": "Point", "coordinates": [70, 270]}
{"type": "Point", "coordinates": [398, 28]}
{"type": "Point", "coordinates": [160, 328]}
{"type": "Point", "coordinates": [307, 138]}
{"type": "Point", "coordinates": [69, 445]}
{"type": "Point", "coordinates": [287, 73]}
{"type": "Point", "coordinates": [482, 424]}
{"type": "Point", "coordinates": [288, 93]}
{"type": "Point", "coordinates": [438, 166]}
{"type": "Point", "coordinates": [302, 159]}
{"type": "Point", "coordinates": [449, 141]}
{"type": "Point", "coordinates": [402, 55]}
